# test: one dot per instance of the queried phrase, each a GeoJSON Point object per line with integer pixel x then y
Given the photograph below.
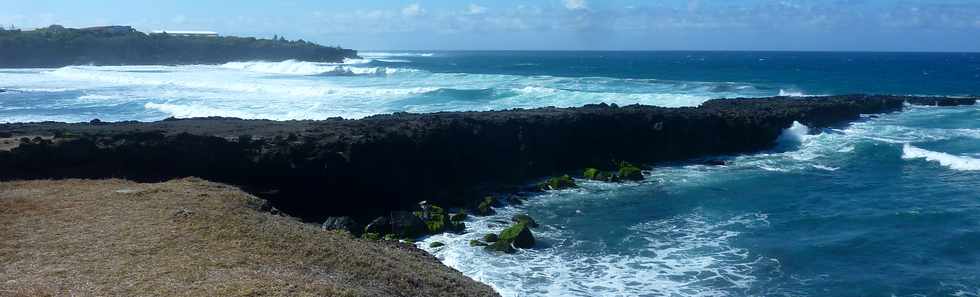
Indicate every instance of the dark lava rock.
{"type": "Point", "coordinates": [380, 225]}
{"type": "Point", "coordinates": [407, 225]}
{"type": "Point", "coordinates": [457, 217]}
{"type": "Point", "coordinates": [559, 183]}
{"type": "Point", "coordinates": [342, 223]}
{"type": "Point", "coordinates": [628, 171]}
{"type": "Point", "coordinates": [716, 162]}
{"type": "Point", "coordinates": [941, 101]}
{"type": "Point", "coordinates": [516, 236]}
{"type": "Point", "coordinates": [490, 237]}
{"type": "Point", "coordinates": [524, 219]}
{"type": "Point", "coordinates": [309, 169]}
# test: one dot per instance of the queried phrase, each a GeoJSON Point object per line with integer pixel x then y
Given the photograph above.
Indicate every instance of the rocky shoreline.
{"type": "Point", "coordinates": [370, 167]}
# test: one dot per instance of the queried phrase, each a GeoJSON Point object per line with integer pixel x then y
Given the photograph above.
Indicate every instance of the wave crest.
{"type": "Point", "coordinates": [950, 161]}
{"type": "Point", "coordinates": [294, 67]}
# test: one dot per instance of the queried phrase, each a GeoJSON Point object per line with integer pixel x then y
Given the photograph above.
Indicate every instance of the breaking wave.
{"type": "Point", "coordinates": [950, 161]}
{"type": "Point", "coordinates": [293, 67]}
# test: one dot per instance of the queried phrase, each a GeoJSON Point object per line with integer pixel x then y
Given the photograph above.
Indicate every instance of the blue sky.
{"type": "Point", "coordinates": [875, 25]}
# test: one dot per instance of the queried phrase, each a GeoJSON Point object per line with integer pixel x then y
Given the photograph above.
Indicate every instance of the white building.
{"type": "Point", "coordinates": [187, 33]}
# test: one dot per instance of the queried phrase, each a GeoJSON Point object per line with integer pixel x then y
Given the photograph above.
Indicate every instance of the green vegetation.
{"type": "Point", "coordinates": [438, 221]}
{"type": "Point", "coordinates": [628, 171]}
{"type": "Point", "coordinates": [371, 236]}
{"type": "Point", "coordinates": [559, 183]}
{"type": "Point", "coordinates": [57, 46]}
{"type": "Point", "coordinates": [518, 235]}
{"type": "Point", "coordinates": [524, 219]}
{"type": "Point", "coordinates": [591, 173]}
{"type": "Point", "coordinates": [486, 206]}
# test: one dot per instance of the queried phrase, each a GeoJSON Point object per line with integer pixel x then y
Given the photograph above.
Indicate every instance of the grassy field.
{"type": "Point", "coordinates": [191, 237]}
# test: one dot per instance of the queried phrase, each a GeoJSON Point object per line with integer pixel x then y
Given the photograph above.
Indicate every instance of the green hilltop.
{"type": "Point", "coordinates": [57, 46]}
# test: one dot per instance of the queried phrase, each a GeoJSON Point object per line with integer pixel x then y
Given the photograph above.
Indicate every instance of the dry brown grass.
{"type": "Point", "coordinates": [191, 237]}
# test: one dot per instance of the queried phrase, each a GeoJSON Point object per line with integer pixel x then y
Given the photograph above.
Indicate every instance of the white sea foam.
{"type": "Point", "coordinates": [293, 67]}
{"type": "Point", "coordinates": [393, 54]}
{"type": "Point", "coordinates": [791, 93]}
{"type": "Point", "coordinates": [794, 135]}
{"type": "Point", "coordinates": [951, 161]}
{"type": "Point", "coordinates": [685, 255]}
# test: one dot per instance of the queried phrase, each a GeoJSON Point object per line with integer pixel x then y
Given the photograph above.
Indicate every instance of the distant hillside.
{"type": "Point", "coordinates": [57, 46]}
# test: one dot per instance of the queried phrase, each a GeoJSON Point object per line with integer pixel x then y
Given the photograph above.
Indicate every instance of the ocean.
{"type": "Point", "coordinates": [886, 206]}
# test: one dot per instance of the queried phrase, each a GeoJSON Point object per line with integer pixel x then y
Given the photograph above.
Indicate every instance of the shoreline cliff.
{"type": "Point", "coordinates": [372, 166]}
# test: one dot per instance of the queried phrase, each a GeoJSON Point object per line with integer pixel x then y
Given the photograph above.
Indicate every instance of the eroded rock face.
{"type": "Point", "coordinates": [369, 167]}
{"type": "Point", "coordinates": [406, 225]}
{"type": "Point", "coordinates": [342, 223]}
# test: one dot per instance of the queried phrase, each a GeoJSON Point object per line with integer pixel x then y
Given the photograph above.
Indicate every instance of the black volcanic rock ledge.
{"type": "Point", "coordinates": [362, 168]}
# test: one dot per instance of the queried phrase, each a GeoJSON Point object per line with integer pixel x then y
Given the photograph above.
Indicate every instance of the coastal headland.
{"type": "Point", "coordinates": [57, 46]}
{"type": "Point", "coordinates": [372, 166]}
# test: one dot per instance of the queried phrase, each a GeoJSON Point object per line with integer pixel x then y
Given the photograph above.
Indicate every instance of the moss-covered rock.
{"type": "Point", "coordinates": [490, 237]}
{"type": "Point", "coordinates": [390, 237]}
{"type": "Point", "coordinates": [516, 236]}
{"type": "Point", "coordinates": [436, 244]}
{"type": "Point", "coordinates": [485, 207]}
{"type": "Point", "coordinates": [524, 219]}
{"type": "Point", "coordinates": [628, 171]}
{"type": "Point", "coordinates": [437, 220]}
{"type": "Point", "coordinates": [477, 243]}
{"type": "Point", "coordinates": [371, 236]}
{"type": "Point", "coordinates": [591, 173]}
{"type": "Point", "coordinates": [559, 183]}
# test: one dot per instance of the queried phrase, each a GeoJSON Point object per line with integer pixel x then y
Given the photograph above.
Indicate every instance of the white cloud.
{"type": "Point", "coordinates": [576, 4]}
{"type": "Point", "coordinates": [476, 9]}
{"type": "Point", "coordinates": [413, 10]}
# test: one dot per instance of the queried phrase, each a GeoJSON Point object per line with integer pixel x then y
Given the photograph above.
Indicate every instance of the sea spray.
{"type": "Point", "coordinates": [793, 136]}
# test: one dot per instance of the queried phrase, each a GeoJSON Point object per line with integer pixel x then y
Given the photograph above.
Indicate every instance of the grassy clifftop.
{"type": "Point", "coordinates": [57, 46]}
{"type": "Point", "coordinates": [190, 237]}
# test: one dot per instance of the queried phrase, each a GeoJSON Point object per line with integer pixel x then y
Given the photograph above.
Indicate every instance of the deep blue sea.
{"type": "Point", "coordinates": [887, 206]}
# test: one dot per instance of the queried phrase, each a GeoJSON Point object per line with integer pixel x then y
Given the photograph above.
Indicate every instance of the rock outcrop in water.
{"type": "Point", "coordinates": [369, 167]}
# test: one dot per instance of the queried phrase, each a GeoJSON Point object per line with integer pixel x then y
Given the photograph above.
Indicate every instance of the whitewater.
{"type": "Point", "coordinates": [884, 206]}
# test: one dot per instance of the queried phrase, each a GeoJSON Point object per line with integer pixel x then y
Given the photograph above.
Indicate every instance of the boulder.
{"type": "Point", "coordinates": [477, 243]}
{"type": "Point", "coordinates": [490, 237]}
{"type": "Point", "coordinates": [436, 244]}
{"type": "Point", "coordinates": [457, 217]}
{"type": "Point", "coordinates": [591, 173]}
{"type": "Point", "coordinates": [406, 225]}
{"type": "Point", "coordinates": [342, 223]}
{"type": "Point", "coordinates": [628, 171]}
{"type": "Point", "coordinates": [486, 206]}
{"type": "Point", "coordinates": [524, 219]}
{"type": "Point", "coordinates": [380, 225]}
{"type": "Point", "coordinates": [559, 183]}
{"type": "Point", "coordinates": [516, 236]}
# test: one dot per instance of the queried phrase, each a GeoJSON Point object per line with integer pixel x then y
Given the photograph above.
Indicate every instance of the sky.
{"type": "Point", "coordinates": [822, 25]}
